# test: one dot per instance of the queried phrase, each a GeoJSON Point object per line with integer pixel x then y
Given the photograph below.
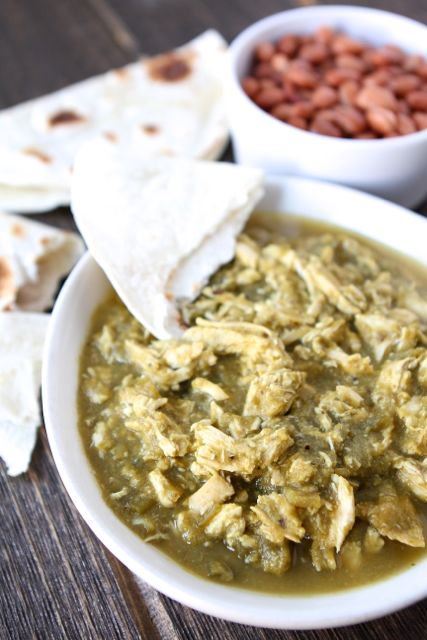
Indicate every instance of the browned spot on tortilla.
{"type": "Point", "coordinates": [17, 230]}
{"type": "Point", "coordinates": [110, 135]}
{"type": "Point", "coordinates": [121, 73]}
{"type": "Point", "coordinates": [36, 153]}
{"type": "Point", "coordinates": [44, 241]}
{"type": "Point", "coordinates": [6, 278]}
{"type": "Point", "coordinates": [170, 67]}
{"type": "Point", "coordinates": [168, 296]}
{"type": "Point", "coordinates": [66, 116]}
{"type": "Point", "coordinates": [150, 129]}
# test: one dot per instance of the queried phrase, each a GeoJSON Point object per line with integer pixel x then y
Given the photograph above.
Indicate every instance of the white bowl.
{"type": "Point", "coordinates": [84, 290]}
{"type": "Point", "coordinates": [393, 168]}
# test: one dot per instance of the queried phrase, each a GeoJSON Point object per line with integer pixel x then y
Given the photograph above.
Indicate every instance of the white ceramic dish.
{"type": "Point", "coordinates": [393, 168]}
{"type": "Point", "coordinates": [84, 290]}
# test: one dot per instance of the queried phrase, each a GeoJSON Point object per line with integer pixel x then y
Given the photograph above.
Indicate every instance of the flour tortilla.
{"type": "Point", "coordinates": [32, 199]}
{"type": "Point", "coordinates": [169, 105]}
{"type": "Point", "coordinates": [159, 227]}
{"type": "Point", "coordinates": [33, 259]}
{"type": "Point", "coordinates": [22, 337]}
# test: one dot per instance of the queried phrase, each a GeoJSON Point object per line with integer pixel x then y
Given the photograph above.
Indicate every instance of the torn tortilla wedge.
{"type": "Point", "coordinates": [33, 259]}
{"type": "Point", "coordinates": [22, 338]}
{"type": "Point", "coordinates": [159, 227]}
{"type": "Point", "coordinates": [171, 104]}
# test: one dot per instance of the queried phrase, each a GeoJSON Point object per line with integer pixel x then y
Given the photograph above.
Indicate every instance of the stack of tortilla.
{"type": "Point", "coordinates": [168, 105]}
{"type": "Point", "coordinates": [34, 257]}
{"type": "Point", "coordinates": [164, 106]}
{"type": "Point", "coordinates": [134, 146]}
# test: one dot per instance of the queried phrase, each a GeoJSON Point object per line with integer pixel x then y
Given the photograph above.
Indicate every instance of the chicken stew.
{"type": "Point", "coordinates": [281, 443]}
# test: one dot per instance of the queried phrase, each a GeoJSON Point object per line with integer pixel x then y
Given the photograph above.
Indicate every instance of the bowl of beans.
{"type": "Point", "coordinates": [336, 93]}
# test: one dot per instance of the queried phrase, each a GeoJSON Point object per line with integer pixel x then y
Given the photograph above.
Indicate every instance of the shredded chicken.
{"type": "Point", "coordinates": [413, 475]}
{"type": "Point", "coordinates": [210, 388]}
{"type": "Point", "coordinates": [373, 542]}
{"type": "Point", "coordinates": [272, 394]}
{"type": "Point", "coordinates": [347, 298]}
{"type": "Point", "coordinates": [211, 493]}
{"type": "Point", "coordinates": [256, 345]}
{"type": "Point", "coordinates": [227, 523]}
{"type": "Point", "coordinates": [414, 418]}
{"type": "Point", "coordinates": [344, 513]}
{"type": "Point", "coordinates": [166, 492]}
{"type": "Point", "coordinates": [378, 332]}
{"type": "Point", "coordinates": [395, 379]}
{"type": "Point", "coordinates": [278, 519]}
{"type": "Point", "coordinates": [394, 517]}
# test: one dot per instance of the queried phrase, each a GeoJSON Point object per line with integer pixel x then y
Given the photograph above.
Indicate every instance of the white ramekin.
{"type": "Point", "coordinates": [393, 168]}
{"type": "Point", "coordinates": [82, 293]}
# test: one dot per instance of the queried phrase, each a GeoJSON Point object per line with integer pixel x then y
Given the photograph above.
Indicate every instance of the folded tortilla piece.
{"type": "Point", "coordinates": [34, 257]}
{"type": "Point", "coordinates": [22, 337]}
{"type": "Point", "coordinates": [169, 105]}
{"type": "Point", "coordinates": [159, 227]}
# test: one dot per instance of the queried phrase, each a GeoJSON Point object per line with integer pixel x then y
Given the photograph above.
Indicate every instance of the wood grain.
{"type": "Point", "coordinates": [57, 580]}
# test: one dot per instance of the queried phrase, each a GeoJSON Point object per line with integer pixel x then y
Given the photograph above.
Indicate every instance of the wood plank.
{"type": "Point", "coordinates": [166, 23]}
{"type": "Point", "coordinates": [46, 45]}
{"type": "Point", "coordinates": [190, 625]}
{"type": "Point", "coordinates": [56, 577]}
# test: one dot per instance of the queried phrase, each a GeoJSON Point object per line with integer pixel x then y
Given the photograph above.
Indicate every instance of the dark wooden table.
{"type": "Point", "coordinates": [57, 580]}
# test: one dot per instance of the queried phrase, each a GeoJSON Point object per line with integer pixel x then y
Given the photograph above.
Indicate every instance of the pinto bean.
{"type": "Point", "coordinates": [345, 44]}
{"type": "Point", "coordinates": [381, 77]}
{"type": "Point", "coordinates": [264, 51]}
{"type": "Point", "coordinates": [279, 62]}
{"type": "Point", "coordinates": [298, 121]}
{"type": "Point", "coordinates": [268, 98]}
{"type": "Point", "coordinates": [413, 63]}
{"type": "Point", "coordinates": [376, 97]}
{"type": "Point", "coordinates": [250, 86]}
{"type": "Point", "coordinates": [350, 120]}
{"type": "Point", "coordinates": [420, 120]}
{"type": "Point", "coordinates": [366, 135]}
{"type": "Point", "coordinates": [417, 100]}
{"type": "Point", "coordinates": [325, 128]}
{"type": "Point", "coordinates": [263, 70]}
{"type": "Point", "coordinates": [288, 44]}
{"type": "Point", "coordinates": [314, 53]}
{"type": "Point", "coordinates": [302, 77]}
{"type": "Point", "coordinates": [281, 111]}
{"type": "Point", "coordinates": [324, 97]}
{"type": "Point", "coordinates": [349, 91]}
{"type": "Point", "coordinates": [403, 107]}
{"type": "Point", "coordinates": [303, 109]}
{"type": "Point", "coordinates": [349, 61]}
{"type": "Point", "coordinates": [422, 70]}
{"type": "Point", "coordinates": [336, 77]}
{"type": "Point", "coordinates": [389, 54]}
{"type": "Point", "coordinates": [383, 121]}
{"type": "Point", "coordinates": [403, 84]}
{"type": "Point", "coordinates": [405, 124]}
